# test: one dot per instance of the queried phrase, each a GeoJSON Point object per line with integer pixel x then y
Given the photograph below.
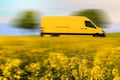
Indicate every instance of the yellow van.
{"type": "Point", "coordinates": [69, 25]}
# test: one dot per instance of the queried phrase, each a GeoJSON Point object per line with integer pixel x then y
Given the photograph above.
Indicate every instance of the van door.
{"type": "Point", "coordinates": [89, 27]}
{"type": "Point", "coordinates": [59, 24]}
{"type": "Point", "coordinates": [76, 26]}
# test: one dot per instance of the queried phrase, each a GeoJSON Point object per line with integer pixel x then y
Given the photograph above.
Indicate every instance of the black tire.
{"type": "Point", "coordinates": [99, 35]}
{"type": "Point", "coordinates": [96, 35]}
{"type": "Point", "coordinates": [42, 35]}
{"type": "Point", "coordinates": [55, 35]}
{"type": "Point", "coordinates": [103, 35]}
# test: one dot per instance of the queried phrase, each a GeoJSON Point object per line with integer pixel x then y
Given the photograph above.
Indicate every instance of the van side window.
{"type": "Point", "coordinates": [89, 24]}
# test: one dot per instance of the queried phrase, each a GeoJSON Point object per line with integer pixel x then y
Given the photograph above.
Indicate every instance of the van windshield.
{"type": "Point", "coordinates": [89, 24]}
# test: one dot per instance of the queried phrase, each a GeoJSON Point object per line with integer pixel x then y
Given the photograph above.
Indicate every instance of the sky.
{"type": "Point", "coordinates": [9, 9]}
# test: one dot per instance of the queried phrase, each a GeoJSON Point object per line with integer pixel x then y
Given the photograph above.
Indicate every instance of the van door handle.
{"type": "Point", "coordinates": [82, 28]}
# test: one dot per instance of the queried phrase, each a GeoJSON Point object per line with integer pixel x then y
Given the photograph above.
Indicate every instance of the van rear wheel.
{"type": "Point", "coordinates": [55, 35]}
{"type": "Point", "coordinates": [42, 35]}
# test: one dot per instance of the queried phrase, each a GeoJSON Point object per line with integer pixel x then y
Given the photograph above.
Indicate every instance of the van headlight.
{"type": "Point", "coordinates": [104, 31]}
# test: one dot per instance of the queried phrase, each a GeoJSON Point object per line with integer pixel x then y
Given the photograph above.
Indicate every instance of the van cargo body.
{"type": "Point", "coordinates": [69, 25]}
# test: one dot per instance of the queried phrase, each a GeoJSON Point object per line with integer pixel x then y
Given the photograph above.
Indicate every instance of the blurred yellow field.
{"type": "Point", "coordinates": [59, 58]}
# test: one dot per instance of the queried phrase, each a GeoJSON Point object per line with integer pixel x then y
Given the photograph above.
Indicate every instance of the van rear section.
{"type": "Point", "coordinates": [69, 25]}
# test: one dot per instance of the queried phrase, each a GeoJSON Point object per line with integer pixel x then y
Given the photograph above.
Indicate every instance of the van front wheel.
{"type": "Point", "coordinates": [99, 35]}
{"type": "Point", "coordinates": [103, 35]}
{"type": "Point", "coordinates": [96, 35]}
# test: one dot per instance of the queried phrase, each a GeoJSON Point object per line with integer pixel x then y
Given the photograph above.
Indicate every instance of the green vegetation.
{"type": "Point", "coordinates": [96, 15]}
{"type": "Point", "coordinates": [27, 20]}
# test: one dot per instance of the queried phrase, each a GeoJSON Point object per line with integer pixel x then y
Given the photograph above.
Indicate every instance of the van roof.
{"type": "Point", "coordinates": [82, 17]}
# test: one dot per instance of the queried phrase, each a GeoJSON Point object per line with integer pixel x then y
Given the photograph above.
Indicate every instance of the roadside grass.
{"type": "Point", "coordinates": [114, 35]}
